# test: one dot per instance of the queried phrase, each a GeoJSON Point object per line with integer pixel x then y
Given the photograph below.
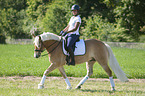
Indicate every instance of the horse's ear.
{"type": "Point", "coordinates": [39, 37]}
{"type": "Point", "coordinates": [32, 33]}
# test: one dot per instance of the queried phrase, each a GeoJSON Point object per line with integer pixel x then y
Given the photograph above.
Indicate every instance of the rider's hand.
{"type": "Point", "coordinates": [61, 32]}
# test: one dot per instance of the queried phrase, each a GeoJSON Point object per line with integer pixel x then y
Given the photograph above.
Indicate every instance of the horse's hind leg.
{"type": "Point", "coordinates": [62, 71]}
{"type": "Point", "coordinates": [109, 72]}
{"type": "Point", "coordinates": [89, 66]}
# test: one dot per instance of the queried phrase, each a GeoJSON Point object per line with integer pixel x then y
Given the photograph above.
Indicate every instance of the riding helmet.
{"type": "Point", "coordinates": [75, 7]}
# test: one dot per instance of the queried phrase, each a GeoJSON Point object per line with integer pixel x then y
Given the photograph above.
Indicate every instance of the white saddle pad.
{"type": "Point", "coordinates": [79, 50]}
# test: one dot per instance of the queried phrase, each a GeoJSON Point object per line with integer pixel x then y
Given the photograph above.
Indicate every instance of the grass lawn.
{"type": "Point", "coordinates": [20, 74]}
{"type": "Point", "coordinates": [54, 86]}
{"type": "Point", "coordinates": [18, 60]}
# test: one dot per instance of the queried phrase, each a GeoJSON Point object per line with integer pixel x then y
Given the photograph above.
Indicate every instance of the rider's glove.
{"type": "Point", "coordinates": [61, 32]}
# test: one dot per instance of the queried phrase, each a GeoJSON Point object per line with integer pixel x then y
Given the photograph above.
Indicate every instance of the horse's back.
{"type": "Point", "coordinates": [94, 43]}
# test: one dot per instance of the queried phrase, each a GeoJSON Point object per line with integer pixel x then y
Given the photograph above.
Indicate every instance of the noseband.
{"type": "Point", "coordinates": [38, 50]}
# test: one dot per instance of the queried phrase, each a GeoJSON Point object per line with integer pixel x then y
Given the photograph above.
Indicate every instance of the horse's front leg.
{"type": "Point", "coordinates": [50, 68]}
{"type": "Point", "coordinates": [62, 71]}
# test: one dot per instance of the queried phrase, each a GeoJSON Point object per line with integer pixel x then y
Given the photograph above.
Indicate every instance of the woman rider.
{"type": "Point", "coordinates": [72, 31]}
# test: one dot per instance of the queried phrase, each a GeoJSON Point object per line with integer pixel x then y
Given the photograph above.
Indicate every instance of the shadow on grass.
{"type": "Point", "coordinates": [109, 91]}
{"type": "Point", "coordinates": [92, 91]}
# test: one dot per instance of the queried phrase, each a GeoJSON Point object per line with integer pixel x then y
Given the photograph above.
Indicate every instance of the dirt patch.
{"type": "Point", "coordinates": [13, 78]}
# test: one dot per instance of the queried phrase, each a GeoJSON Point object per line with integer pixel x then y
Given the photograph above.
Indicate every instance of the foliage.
{"type": "Point", "coordinates": [34, 14]}
{"type": "Point", "coordinates": [14, 4]}
{"type": "Point", "coordinates": [7, 24]}
{"type": "Point", "coordinates": [48, 16]}
{"type": "Point", "coordinates": [118, 33]}
{"type": "Point", "coordinates": [90, 7]}
{"type": "Point", "coordinates": [56, 17]}
{"type": "Point", "coordinates": [142, 38]}
{"type": "Point", "coordinates": [11, 17]}
{"type": "Point", "coordinates": [96, 27]}
{"type": "Point", "coordinates": [123, 19]}
{"type": "Point", "coordinates": [2, 38]}
{"type": "Point", "coordinates": [132, 14]}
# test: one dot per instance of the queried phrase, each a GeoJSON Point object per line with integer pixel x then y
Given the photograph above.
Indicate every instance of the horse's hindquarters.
{"type": "Point", "coordinates": [95, 51]}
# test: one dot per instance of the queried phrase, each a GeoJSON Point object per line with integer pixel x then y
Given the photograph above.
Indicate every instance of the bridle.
{"type": "Point", "coordinates": [40, 50]}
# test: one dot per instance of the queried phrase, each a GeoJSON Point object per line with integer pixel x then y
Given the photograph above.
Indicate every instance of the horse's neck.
{"type": "Point", "coordinates": [50, 45]}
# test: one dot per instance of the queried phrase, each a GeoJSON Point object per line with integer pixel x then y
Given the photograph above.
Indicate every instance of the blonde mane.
{"type": "Point", "coordinates": [46, 36]}
{"type": "Point", "coordinates": [49, 36]}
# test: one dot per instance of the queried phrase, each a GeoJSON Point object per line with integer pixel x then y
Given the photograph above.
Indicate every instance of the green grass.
{"type": "Point", "coordinates": [27, 86]}
{"type": "Point", "coordinates": [18, 60]}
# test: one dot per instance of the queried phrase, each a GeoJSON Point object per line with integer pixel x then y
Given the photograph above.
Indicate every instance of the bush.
{"type": "Point", "coordinates": [101, 29]}
{"type": "Point", "coordinates": [142, 38]}
{"type": "Point", "coordinates": [2, 39]}
{"type": "Point", "coordinates": [11, 23]}
{"type": "Point", "coordinates": [57, 16]}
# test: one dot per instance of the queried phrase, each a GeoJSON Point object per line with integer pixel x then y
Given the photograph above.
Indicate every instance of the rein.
{"type": "Point", "coordinates": [50, 46]}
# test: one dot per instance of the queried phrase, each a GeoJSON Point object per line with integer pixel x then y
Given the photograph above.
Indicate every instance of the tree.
{"type": "Point", "coordinates": [11, 16]}
{"type": "Point", "coordinates": [14, 4]}
{"type": "Point", "coordinates": [2, 38]}
{"type": "Point", "coordinates": [101, 29]}
{"type": "Point", "coordinates": [57, 16]}
{"type": "Point", "coordinates": [34, 14]}
{"type": "Point", "coordinates": [18, 17]}
{"type": "Point", "coordinates": [132, 14]}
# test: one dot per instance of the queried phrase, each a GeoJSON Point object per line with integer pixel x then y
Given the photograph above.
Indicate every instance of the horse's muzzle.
{"type": "Point", "coordinates": [37, 54]}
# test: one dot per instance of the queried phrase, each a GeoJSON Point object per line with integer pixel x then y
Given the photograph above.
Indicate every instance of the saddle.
{"type": "Point", "coordinates": [79, 47]}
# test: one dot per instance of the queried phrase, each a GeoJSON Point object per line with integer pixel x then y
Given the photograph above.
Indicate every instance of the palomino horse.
{"type": "Point", "coordinates": [95, 51]}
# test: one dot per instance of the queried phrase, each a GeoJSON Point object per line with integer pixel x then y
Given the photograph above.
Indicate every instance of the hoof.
{"type": "Point", "coordinates": [40, 86]}
{"type": "Point", "coordinates": [113, 89]}
{"type": "Point", "coordinates": [69, 88]}
{"type": "Point", "coordinates": [78, 87]}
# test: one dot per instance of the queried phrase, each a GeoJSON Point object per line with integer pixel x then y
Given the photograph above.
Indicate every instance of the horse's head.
{"type": "Point", "coordinates": [39, 47]}
{"type": "Point", "coordinates": [38, 42]}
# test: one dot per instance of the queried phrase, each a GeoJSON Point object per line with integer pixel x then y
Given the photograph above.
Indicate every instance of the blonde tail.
{"type": "Point", "coordinates": [115, 66]}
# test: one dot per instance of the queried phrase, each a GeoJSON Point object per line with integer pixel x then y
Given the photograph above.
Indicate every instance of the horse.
{"type": "Point", "coordinates": [96, 51]}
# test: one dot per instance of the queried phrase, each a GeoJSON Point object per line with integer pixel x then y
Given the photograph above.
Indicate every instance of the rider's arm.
{"type": "Point", "coordinates": [75, 28]}
{"type": "Point", "coordinates": [66, 28]}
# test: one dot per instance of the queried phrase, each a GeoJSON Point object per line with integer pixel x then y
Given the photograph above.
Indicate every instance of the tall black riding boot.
{"type": "Point", "coordinates": [72, 60]}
